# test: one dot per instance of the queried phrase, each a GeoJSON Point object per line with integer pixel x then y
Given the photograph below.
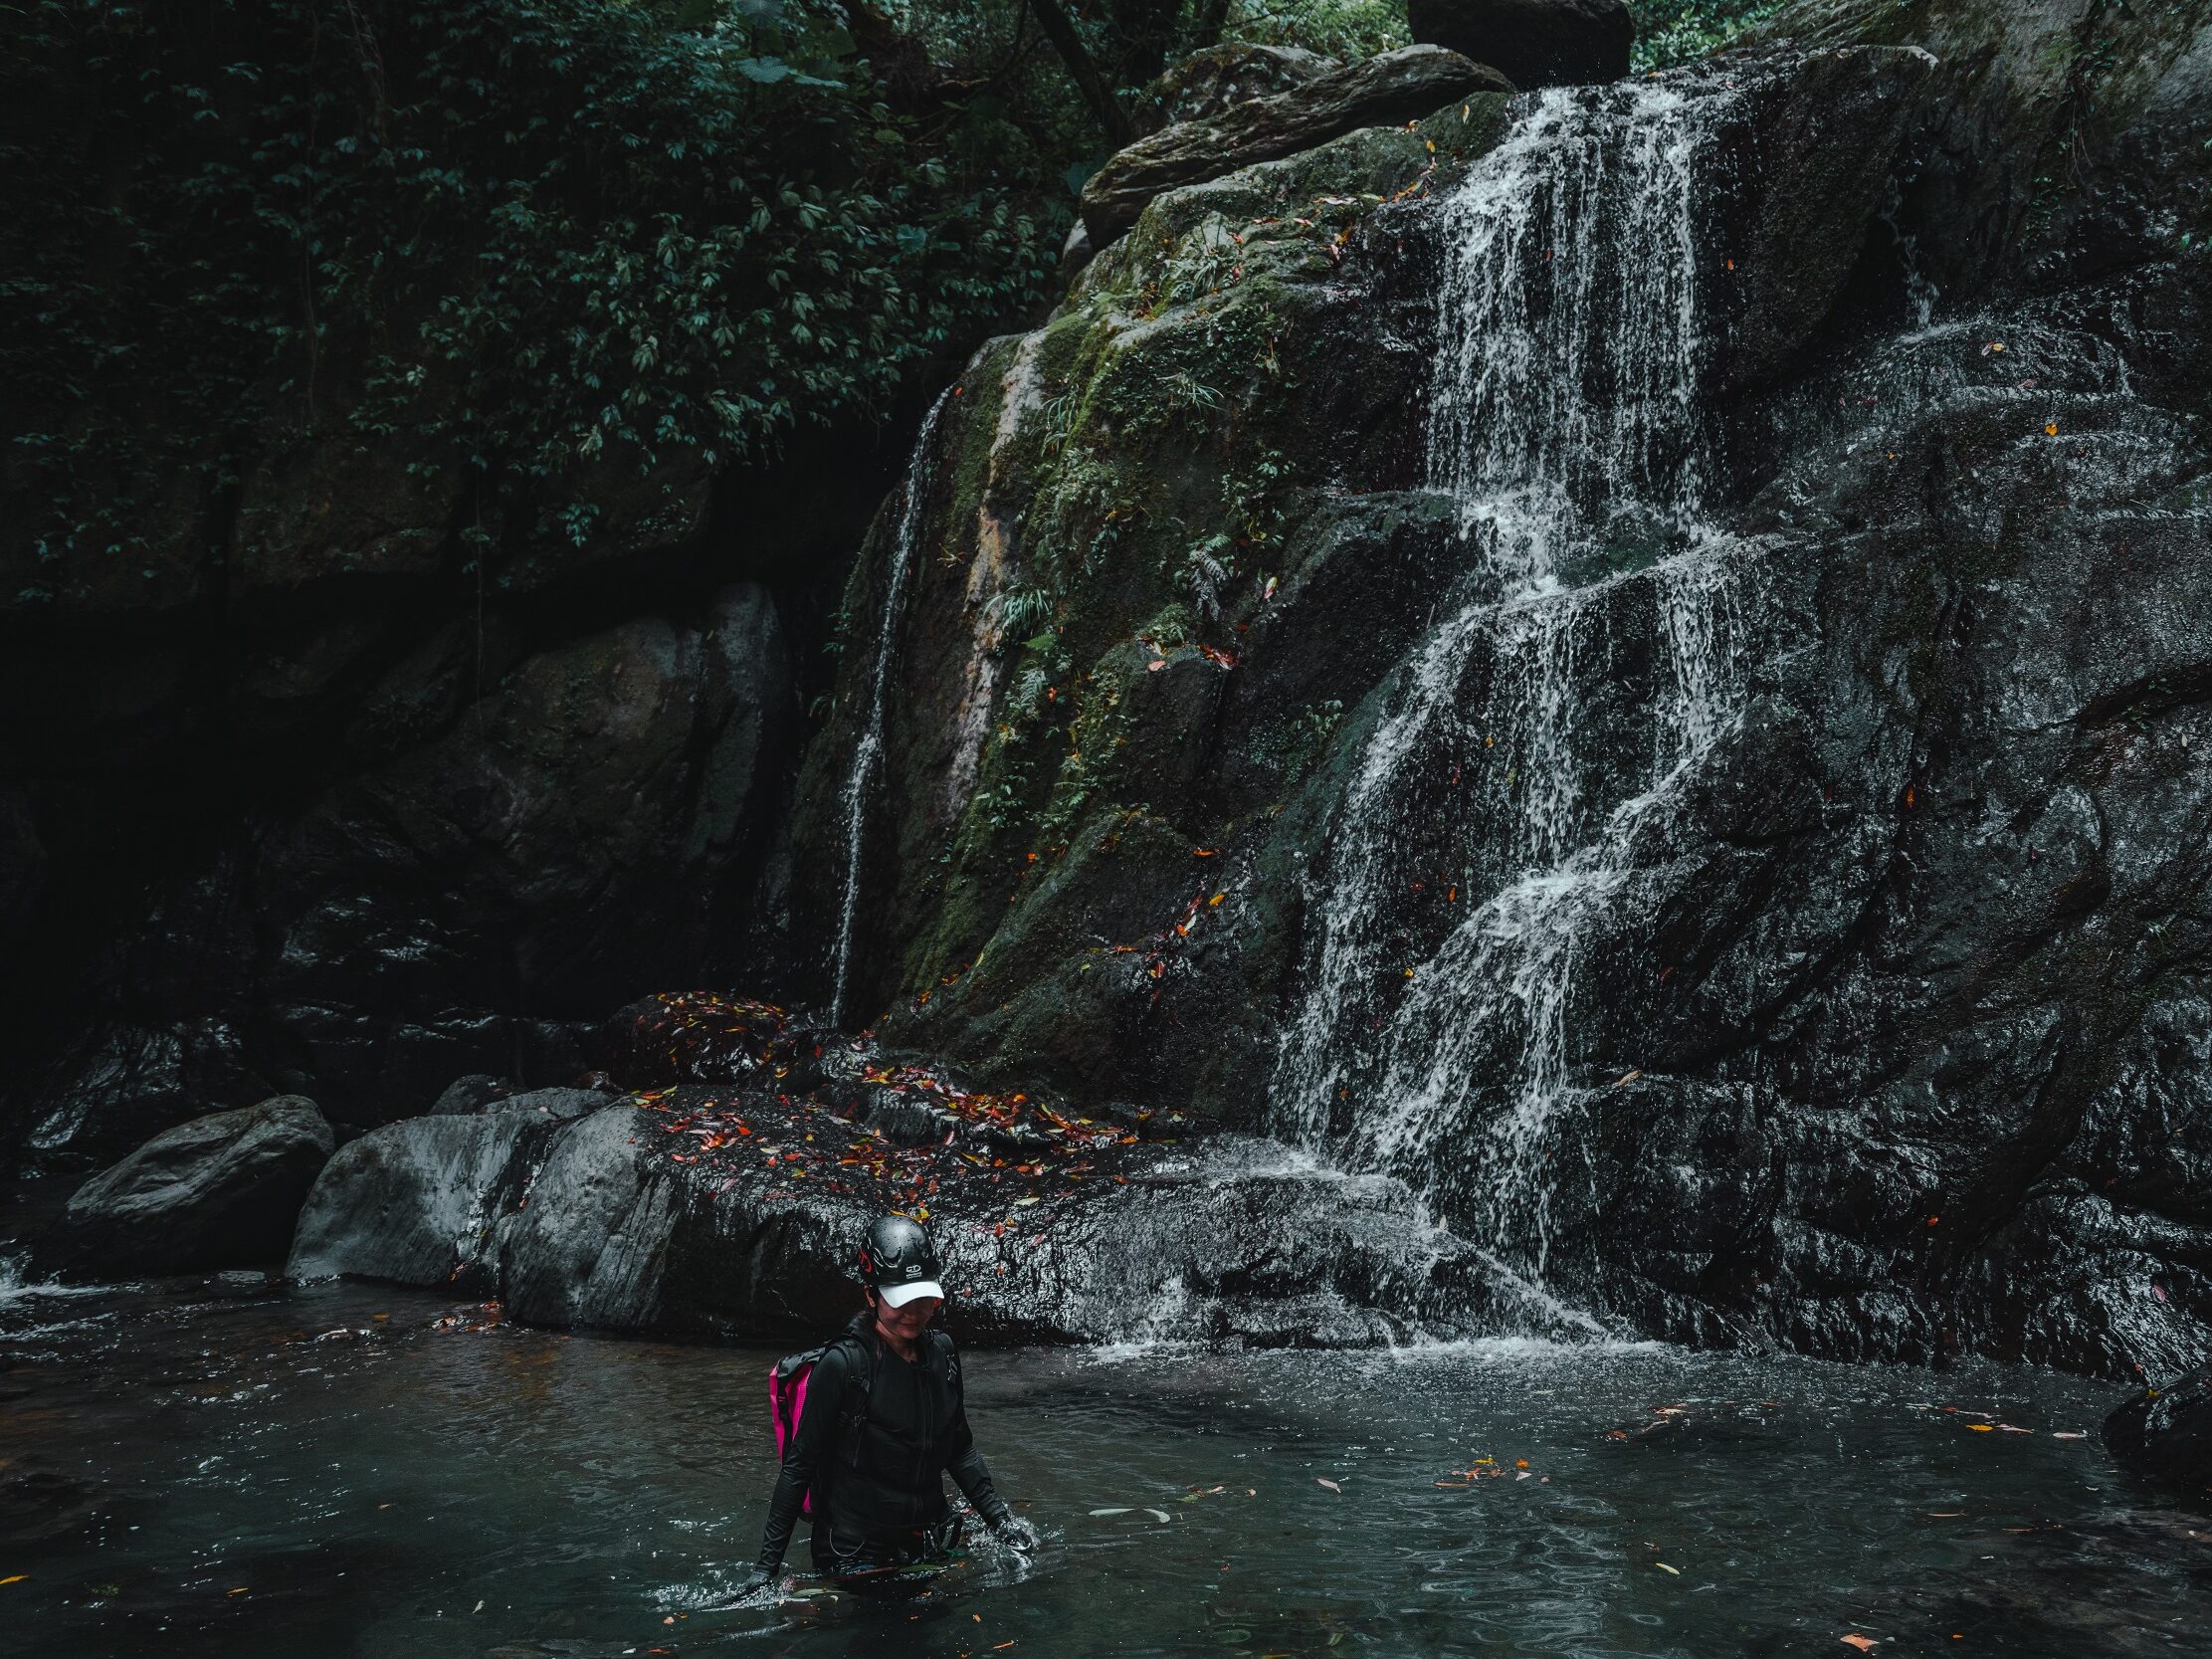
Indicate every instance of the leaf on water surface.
{"type": "Point", "coordinates": [1323, 1479]}
{"type": "Point", "coordinates": [2070, 1434]}
{"type": "Point", "coordinates": [14, 1578]}
{"type": "Point", "coordinates": [1161, 1516]}
{"type": "Point", "coordinates": [1664, 1567]}
{"type": "Point", "coordinates": [1122, 1510]}
{"type": "Point", "coordinates": [1864, 1644]}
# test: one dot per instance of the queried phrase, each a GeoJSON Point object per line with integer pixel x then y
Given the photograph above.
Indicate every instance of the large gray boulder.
{"type": "Point", "coordinates": [413, 1201]}
{"type": "Point", "coordinates": [1538, 42]}
{"type": "Point", "coordinates": [222, 1190]}
{"type": "Point", "coordinates": [1388, 89]}
{"type": "Point", "coordinates": [663, 1214]}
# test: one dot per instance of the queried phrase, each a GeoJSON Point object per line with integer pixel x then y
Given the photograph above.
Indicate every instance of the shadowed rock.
{"type": "Point", "coordinates": [1210, 83]}
{"type": "Point", "coordinates": [220, 1190]}
{"type": "Point", "coordinates": [2166, 1433]}
{"type": "Point", "coordinates": [1388, 89]}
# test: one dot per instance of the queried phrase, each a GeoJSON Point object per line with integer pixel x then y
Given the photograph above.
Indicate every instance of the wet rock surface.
{"type": "Point", "coordinates": [1389, 89]}
{"type": "Point", "coordinates": [2165, 1433]}
{"type": "Point", "coordinates": [1532, 43]}
{"type": "Point", "coordinates": [220, 1191]}
{"type": "Point", "coordinates": [732, 1207]}
{"type": "Point", "coordinates": [1872, 1020]}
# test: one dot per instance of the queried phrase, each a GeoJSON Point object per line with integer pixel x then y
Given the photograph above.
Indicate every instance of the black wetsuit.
{"type": "Point", "coordinates": [874, 1452]}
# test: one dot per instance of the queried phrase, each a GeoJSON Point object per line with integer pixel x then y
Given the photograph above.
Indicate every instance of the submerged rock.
{"type": "Point", "coordinates": [2166, 1433]}
{"type": "Point", "coordinates": [1391, 88]}
{"type": "Point", "coordinates": [1533, 42]}
{"type": "Point", "coordinates": [220, 1190]}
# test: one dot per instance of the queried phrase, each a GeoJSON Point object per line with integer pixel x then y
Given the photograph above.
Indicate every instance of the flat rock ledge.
{"type": "Point", "coordinates": [714, 1208]}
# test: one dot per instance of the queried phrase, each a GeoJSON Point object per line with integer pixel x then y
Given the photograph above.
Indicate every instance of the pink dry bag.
{"type": "Point", "coordinates": [787, 1382]}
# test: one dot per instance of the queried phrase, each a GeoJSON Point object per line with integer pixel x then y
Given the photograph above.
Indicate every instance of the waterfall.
{"type": "Point", "coordinates": [867, 752]}
{"type": "Point", "coordinates": [1595, 647]}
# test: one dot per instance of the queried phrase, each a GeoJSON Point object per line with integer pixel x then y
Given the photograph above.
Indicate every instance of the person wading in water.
{"type": "Point", "coordinates": [883, 1421]}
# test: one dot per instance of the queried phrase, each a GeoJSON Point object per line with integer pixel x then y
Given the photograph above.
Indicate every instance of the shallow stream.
{"type": "Point", "coordinates": [230, 1467]}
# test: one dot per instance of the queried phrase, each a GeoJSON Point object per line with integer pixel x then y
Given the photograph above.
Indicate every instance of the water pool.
{"type": "Point", "coordinates": [231, 1467]}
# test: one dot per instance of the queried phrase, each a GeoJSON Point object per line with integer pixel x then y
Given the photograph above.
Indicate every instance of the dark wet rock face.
{"type": "Point", "coordinates": [1533, 42]}
{"type": "Point", "coordinates": [1643, 676]}
{"type": "Point", "coordinates": [476, 902]}
{"type": "Point", "coordinates": [1391, 88]}
{"type": "Point", "coordinates": [220, 1191]}
{"type": "Point", "coordinates": [2166, 1433]}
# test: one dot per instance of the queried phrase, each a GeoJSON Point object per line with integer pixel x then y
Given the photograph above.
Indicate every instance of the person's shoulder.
{"type": "Point", "coordinates": [843, 1354]}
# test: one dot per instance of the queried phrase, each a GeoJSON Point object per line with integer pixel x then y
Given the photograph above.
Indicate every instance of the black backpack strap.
{"type": "Point", "coordinates": [947, 1352]}
{"type": "Point", "coordinates": [860, 1376]}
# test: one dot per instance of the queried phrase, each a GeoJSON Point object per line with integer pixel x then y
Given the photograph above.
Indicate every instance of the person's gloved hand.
{"type": "Point", "coordinates": [1011, 1529]}
{"type": "Point", "coordinates": [756, 1579]}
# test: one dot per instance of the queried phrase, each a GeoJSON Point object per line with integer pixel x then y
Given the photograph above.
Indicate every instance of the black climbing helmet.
{"type": "Point", "coordinates": [897, 1261]}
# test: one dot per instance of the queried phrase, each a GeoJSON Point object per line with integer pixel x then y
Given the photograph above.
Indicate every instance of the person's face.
{"type": "Point", "coordinates": [908, 1322]}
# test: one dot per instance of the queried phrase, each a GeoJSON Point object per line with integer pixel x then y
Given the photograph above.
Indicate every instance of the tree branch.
{"type": "Point", "coordinates": [1060, 29]}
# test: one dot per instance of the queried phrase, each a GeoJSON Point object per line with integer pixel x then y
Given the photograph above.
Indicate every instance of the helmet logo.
{"type": "Point", "coordinates": [914, 1272]}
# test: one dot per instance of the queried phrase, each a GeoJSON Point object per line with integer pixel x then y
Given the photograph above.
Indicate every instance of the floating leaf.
{"type": "Point", "coordinates": [1161, 1516]}
{"type": "Point", "coordinates": [1864, 1644]}
{"type": "Point", "coordinates": [1110, 1512]}
{"type": "Point", "coordinates": [1323, 1479]}
{"type": "Point", "coordinates": [1664, 1567]}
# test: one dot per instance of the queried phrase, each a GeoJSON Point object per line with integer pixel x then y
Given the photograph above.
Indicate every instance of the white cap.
{"type": "Point", "coordinates": [898, 1295]}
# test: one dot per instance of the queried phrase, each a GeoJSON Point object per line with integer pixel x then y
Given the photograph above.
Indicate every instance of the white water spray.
{"type": "Point", "coordinates": [1564, 426]}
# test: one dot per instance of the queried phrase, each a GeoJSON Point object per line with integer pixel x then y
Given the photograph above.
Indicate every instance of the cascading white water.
{"type": "Point", "coordinates": [1564, 425]}
{"type": "Point", "coordinates": [869, 750]}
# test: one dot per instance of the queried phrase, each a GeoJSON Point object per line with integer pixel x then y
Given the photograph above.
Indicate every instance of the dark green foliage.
{"type": "Point", "coordinates": [506, 235]}
{"type": "Point", "coordinates": [1675, 31]}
